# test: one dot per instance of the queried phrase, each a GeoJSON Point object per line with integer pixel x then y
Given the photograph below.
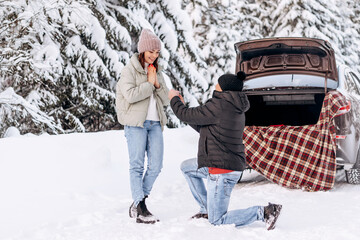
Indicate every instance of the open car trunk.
{"type": "Point", "coordinates": [289, 129]}
{"type": "Point", "coordinates": [275, 99]}
{"type": "Point", "coordinates": [277, 108]}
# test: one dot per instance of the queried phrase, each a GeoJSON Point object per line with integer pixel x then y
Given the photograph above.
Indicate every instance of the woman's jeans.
{"type": "Point", "coordinates": [215, 200]}
{"type": "Point", "coordinates": [148, 139]}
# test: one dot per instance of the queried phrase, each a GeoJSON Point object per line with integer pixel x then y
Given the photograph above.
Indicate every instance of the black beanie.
{"type": "Point", "coordinates": [232, 82]}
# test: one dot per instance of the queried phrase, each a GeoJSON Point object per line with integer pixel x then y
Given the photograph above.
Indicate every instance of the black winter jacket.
{"type": "Point", "coordinates": [220, 122]}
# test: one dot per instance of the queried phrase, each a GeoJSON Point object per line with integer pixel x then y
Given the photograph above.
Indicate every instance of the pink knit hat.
{"type": "Point", "coordinates": [148, 41]}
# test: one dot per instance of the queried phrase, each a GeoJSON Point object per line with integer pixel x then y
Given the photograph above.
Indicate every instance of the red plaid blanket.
{"type": "Point", "coordinates": [297, 156]}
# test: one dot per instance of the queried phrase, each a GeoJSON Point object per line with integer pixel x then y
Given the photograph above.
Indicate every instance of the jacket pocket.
{"type": "Point", "coordinates": [203, 151]}
{"type": "Point", "coordinates": [206, 146]}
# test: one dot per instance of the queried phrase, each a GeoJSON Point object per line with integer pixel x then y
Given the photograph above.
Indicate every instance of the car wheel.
{"type": "Point", "coordinates": [353, 174]}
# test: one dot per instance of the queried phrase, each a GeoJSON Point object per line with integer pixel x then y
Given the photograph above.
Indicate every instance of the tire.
{"type": "Point", "coordinates": [353, 174]}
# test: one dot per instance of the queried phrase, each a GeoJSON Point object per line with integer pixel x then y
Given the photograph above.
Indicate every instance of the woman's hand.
{"type": "Point", "coordinates": [173, 93]}
{"type": "Point", "coordinates": [152, 77]}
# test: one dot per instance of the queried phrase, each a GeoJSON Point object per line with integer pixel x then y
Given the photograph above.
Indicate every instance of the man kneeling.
{"type": "Point", "coordinates": [221, 157]}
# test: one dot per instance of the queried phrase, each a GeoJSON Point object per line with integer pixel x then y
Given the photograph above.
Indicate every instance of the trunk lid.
{"type": "Point", "coordinates": [273, 56]}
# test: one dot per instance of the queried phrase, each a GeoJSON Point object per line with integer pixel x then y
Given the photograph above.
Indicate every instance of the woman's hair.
{"type": "Point", "coordinates": [142, 60]}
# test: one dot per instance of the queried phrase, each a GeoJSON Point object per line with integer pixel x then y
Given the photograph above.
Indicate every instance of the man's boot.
{"type": "Point", "coordinates": [271, 214]}
{"type": "Point", "coordinates": [200, 215]}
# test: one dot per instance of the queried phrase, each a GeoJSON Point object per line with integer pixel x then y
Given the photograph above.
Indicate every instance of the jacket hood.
{"type": "Point", "coordinates": [136, 64]}
{"type": "Point", "coordinates": [238, 99]}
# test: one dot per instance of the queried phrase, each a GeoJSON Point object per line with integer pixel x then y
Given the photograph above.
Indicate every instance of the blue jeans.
{"type": "Point", "coordinates": [215, 200]}
{"type": "Point", "coordinates": [148, 139]}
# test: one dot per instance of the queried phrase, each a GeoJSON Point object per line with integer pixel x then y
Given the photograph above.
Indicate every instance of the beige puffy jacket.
{"type": "Point", "coordinates": [133, 93]}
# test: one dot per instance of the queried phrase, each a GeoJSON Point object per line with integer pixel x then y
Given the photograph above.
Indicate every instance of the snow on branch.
{"type": "Point", "coordinates": [10, 99]}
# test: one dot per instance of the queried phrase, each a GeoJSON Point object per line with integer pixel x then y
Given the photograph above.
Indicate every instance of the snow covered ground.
{"type": "Point", "coordinates": [76, 186]}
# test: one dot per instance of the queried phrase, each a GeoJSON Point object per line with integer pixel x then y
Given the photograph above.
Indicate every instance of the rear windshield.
{"type": "Point", "coordinates": [289, 80]}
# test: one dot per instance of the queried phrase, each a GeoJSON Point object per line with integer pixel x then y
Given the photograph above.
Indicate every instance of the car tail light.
{"type": "Point", "coordinates": [340, 137]}
{"type": "Point", "coordinates": [344, 109]}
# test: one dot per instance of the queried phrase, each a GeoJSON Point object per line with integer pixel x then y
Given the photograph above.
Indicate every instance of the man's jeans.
{"type": "Point", "coordinates": [140, 140]}
{"type": "Point", "coordinates": [215, 200]}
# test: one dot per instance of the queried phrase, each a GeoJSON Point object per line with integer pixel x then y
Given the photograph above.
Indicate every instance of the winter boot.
{"type": "Point", "coordinates": [271, 214]}
{"type": "Point", "coordinates": [200, 215]}
{"type": "Point", "coordinates": [144, 215]}
{"type": "Point", "coordinates": [133, 210]}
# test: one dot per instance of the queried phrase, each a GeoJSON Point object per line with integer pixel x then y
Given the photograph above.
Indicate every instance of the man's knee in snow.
{"type": "Point", "coordinates": [188, 165]}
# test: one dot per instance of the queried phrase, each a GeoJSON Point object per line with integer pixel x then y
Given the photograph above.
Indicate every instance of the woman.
{"type": "Point", "coordinates": [141, 95]}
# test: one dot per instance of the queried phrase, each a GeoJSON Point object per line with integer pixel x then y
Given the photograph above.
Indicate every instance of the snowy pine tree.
{"type": "Point", "coordinates": [324, 19]}
{"type": "Point", "coordinates": [18, 76]}
{"type": "Point", "coordinates": [350, 11]}
{"type": "Point", "coordinates": [218, 25]}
